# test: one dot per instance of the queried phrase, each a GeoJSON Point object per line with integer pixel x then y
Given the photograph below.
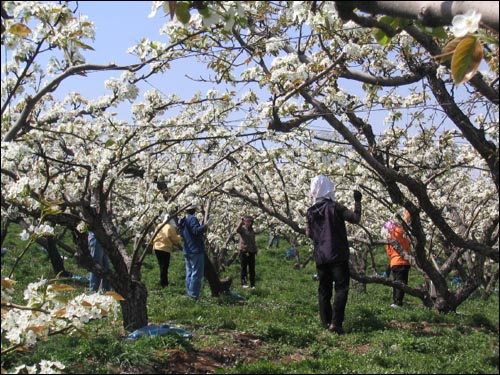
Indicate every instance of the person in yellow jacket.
{"type": "Point", "coordinates": [166, 240]}
{"type": "Point", "coordinates": [400, 267]}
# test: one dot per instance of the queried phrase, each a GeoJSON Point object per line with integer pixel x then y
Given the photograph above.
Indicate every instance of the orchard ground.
{"type": "Point", "coordinates": [273, 328]}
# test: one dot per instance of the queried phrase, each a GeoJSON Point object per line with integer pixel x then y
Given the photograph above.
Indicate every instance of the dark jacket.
{"type": "Point", "coordinates": [325, 225]}
{"type": "Point", "coordinates": [247, 239]}
{"type": "Point", "coordinates": [192, 234]}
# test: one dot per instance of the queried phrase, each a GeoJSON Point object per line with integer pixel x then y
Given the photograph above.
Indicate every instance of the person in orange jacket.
{"type": "Point", "coordinates": [400, 267]}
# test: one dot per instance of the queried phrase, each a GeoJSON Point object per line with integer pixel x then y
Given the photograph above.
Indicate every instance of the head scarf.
{"type": "Point", "coordinates": [322, 187]}
{"type": "Point", "coordinates": [169, 219]}
{"type": "Point", "coordinates": [388, 227]}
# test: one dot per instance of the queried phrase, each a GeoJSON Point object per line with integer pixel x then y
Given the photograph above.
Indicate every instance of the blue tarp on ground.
{"type": "Point", "coordinates": [236, 295]}
{"type": "Point", "coordinates": [155, 330]}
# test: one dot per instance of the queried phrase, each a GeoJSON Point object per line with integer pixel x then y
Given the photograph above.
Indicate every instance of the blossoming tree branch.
{"type": "Point", "coordinates": [298, 89]}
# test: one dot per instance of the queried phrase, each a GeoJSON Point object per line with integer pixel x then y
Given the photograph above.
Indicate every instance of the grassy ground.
{"type": "Point", "coordinates": [275, 328]}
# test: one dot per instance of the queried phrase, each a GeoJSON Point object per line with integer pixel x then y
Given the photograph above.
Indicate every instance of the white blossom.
{"type": "Point", "coordinates": [466, 23]}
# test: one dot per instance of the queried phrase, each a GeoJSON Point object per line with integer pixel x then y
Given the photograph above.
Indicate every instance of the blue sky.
{"type": "Point", "coordinates": [119, 25]}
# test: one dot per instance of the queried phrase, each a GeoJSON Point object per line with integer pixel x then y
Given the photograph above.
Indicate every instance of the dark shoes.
{"type": "Point", "coordinates": [338, 330]}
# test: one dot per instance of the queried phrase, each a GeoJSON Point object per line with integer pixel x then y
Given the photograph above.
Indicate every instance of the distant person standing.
{"type": "Point", "coordinates": [193, 250]}
{"type": "Point", "coordinates": [325, 225]}
{"type": "Point", "coordinates": [400, 267]}
{"type": "Point", "coordinates": [274, 238]}
{"type": "Point", "coordinates": [248, 250]}
{"type": "Point", "coordinates": [97, 253]}
{"type": "Point", "coordinates": [166, 241]}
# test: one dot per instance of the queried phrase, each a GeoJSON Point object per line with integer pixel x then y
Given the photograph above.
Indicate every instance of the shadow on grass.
{"type": "Point", "coordinates": [365, 320]}
{"type": "Point", "coordinates": [298, 337]}
{"type": "Point", "coordinates": [481, 321]}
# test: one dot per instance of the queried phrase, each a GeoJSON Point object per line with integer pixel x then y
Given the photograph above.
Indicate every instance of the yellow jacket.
{"type": "Point", "coordinates": [166, 238]}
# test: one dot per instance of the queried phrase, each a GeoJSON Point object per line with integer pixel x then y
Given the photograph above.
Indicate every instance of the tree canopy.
{"type": "Point", "coordinates": [313, 88]}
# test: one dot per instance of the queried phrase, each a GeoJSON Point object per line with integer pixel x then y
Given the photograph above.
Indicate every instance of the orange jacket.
{"type": "Point", "coordinates": [398, 234]}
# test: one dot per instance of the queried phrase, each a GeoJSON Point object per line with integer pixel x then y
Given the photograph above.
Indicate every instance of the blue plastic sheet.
{"type": "Point", "coordinates": [236, 295]}
{"type": "Point", "coordinates": [81, 278]}
{"type": "Point", "coordinates": [155, 330]}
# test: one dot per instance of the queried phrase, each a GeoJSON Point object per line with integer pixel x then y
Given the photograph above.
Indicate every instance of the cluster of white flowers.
{"type": "Point", "coordinates": [352, 50]}
{"type": "Point", "coordinates": [49, 312]}
{"type": "Point", "coordinates": [37, 231]}
{"type": "Point", "coordinates": [274, 45]}
{"type": "Point", "coordinates": [123, 88]}
{"type": "Point", "coordinates": [44, 367]}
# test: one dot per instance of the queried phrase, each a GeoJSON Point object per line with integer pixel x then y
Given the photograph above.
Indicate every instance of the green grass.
{"type": "Point", "coordinates": [275, 329]}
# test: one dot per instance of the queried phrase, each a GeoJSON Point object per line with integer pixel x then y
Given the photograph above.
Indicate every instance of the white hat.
{"type": "Point", "coordinates": [321, 186]}
{"type": "Point", "coordinates": [193, 206]}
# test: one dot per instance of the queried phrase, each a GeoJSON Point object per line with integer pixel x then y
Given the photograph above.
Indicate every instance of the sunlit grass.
{"type": "Point", "coordinates": [279, 319]}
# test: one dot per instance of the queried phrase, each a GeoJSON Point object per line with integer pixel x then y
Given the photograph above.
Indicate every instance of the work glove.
{"type": "Point", "coordinates": [209, 222]}
{"type": "Point", "coordinates": [357, 195]}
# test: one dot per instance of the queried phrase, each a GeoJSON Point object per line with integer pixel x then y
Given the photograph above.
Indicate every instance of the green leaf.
{"type": "Point", "coordinates": [83, 45]}
{"type": "Point", "coordinates": [449, 49]}
{"type": "Point", "coordinates": [394, 22]}
{"type": "Point", "coordinates": [242, 22]}
{"type": "Point", "coordinates": [381, 37]}
{"type": "Point", "coordinates": [466, 59]}
{"type": "Point", "coordinates": [205, 12]}
{"type": "Point", "coordinates": [439, 32]}
{"type": "Point", "coordinates": [182, 11]}
{"type": "Point", "coordinates": [386, 19]}
{"type": "Point", "coordinates": [400, 23]}
{"type": "Point", "coordinates": [20, 29]}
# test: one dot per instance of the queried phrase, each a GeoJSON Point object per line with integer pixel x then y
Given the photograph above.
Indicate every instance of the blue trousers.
{"type": "Point", "coordinates": [273, 239]}
{"type": "Point", "coordinates": [195, 264]}
{"type": "Point", "coordinates": [98, 255]}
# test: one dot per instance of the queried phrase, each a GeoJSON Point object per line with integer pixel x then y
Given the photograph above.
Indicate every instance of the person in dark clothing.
{"type": "Point", "coordinates": [274, 237]}
{"type": "Point", "coordinates": [193, 250]}
{"type": "Point", "coordinates": [248, 250]}
{"type": "Point", "coordinates": [325, 225]}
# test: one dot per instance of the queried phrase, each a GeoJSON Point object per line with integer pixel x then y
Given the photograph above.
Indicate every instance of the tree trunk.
{"type": "Point", "coordinates": [49, 243]}
{"type": "Point", "coordinates": [217, 286]}
{"type": "Point", "coordinates": [134, 308]}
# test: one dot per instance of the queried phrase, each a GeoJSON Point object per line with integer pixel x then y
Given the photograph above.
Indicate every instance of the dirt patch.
{"type": "Point", "coordinates": [426, 327]}
{"type": "Point", "coordinates": [246, 347]}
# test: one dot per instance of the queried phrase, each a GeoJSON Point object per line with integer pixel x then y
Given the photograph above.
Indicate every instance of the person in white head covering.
{"type": "Point", "coordinates": [166, 240]}
{"type": "Point", "coordinates": [325, 225]}
{"type": "Point", "coordinates": [321, 188]}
